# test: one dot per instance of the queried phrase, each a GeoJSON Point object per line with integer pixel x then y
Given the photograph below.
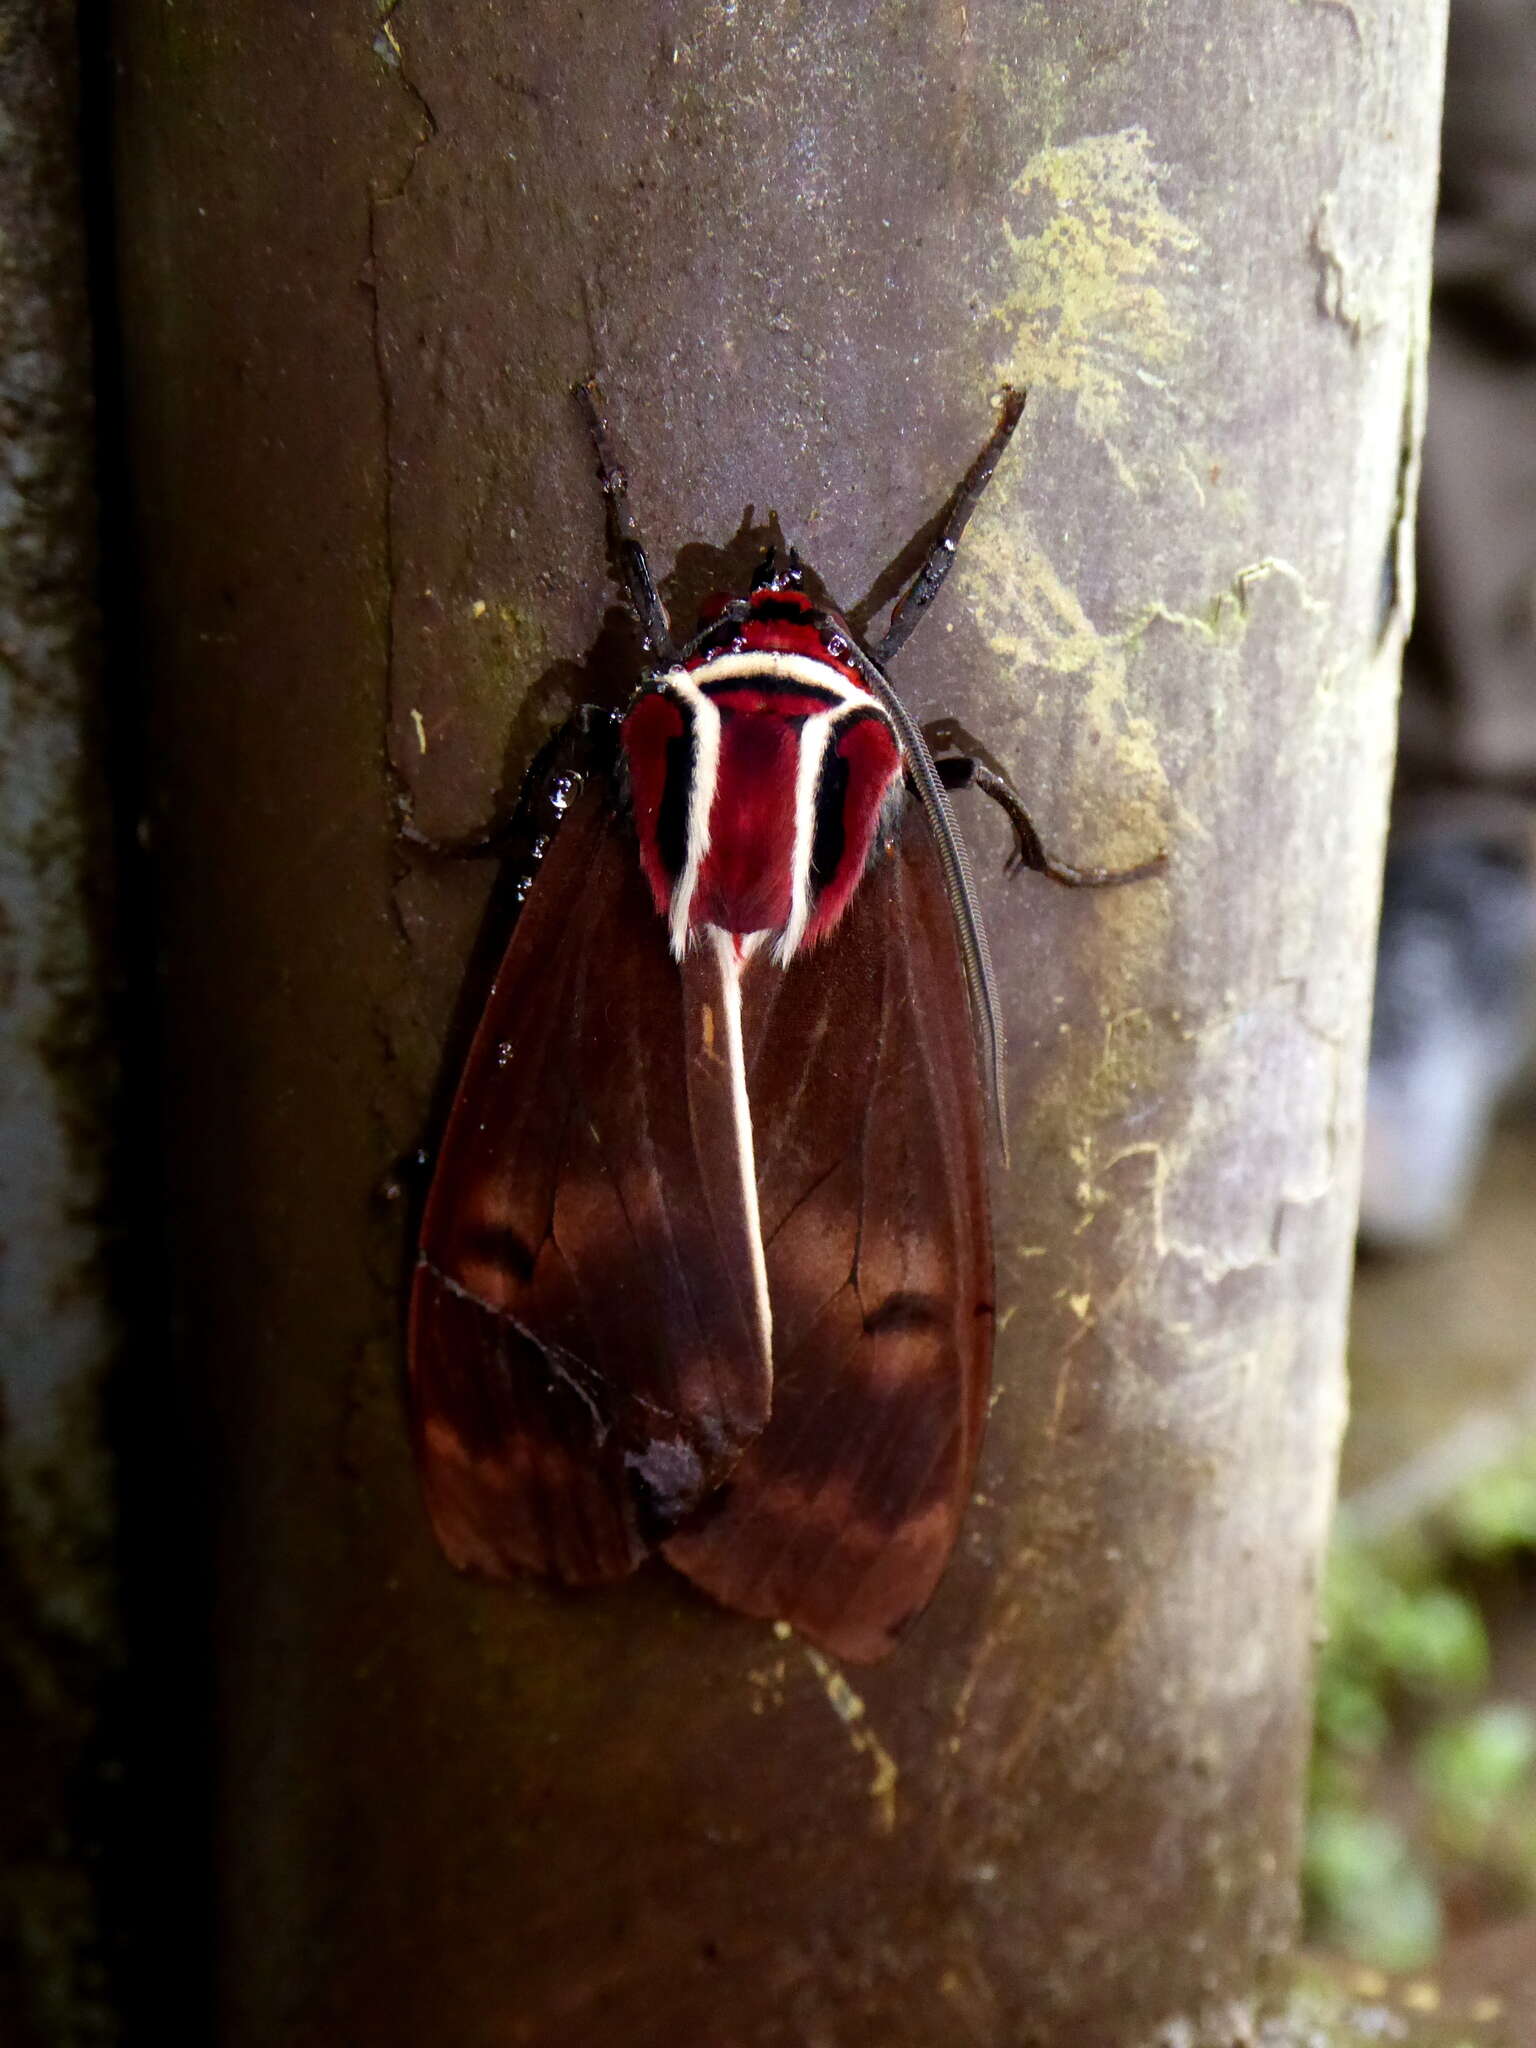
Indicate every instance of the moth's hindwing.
{"type": "Point", "coordinates": [589, 1344]}
{"type": "Point", "coordinates": [872, 1186]}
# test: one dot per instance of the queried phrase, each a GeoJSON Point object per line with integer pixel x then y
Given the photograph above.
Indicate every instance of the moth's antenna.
{"type": "Point", "coordinates": [929, 580]}
{"type": "Point", "coordinates": [975, 953]}
{"type": "Point", "coordinates": [641, 584]}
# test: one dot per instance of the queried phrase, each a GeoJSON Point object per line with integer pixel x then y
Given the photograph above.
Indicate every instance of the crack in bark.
{"type": "Point", "coordinates": [396, 780]}
{"type": "Point", "coordinates": [1334, 298]}
{"type": "Point", "coordinates": [1398, 590]}
{"type": "Point", "coordinates": [1343, 7]}
{"type": "Point", "coordinates": [1226, 616]}
{"type": "Point", "coordinates": [1296, 1190]}
{"type": "Point", "coordinates": [387, 45]}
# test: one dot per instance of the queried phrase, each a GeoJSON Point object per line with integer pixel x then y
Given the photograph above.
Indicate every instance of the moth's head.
{"type": "Point", "coordinates": [774, 594]}
{"type": "Point", "coordinates": [778, 572]}
{"type": "Point", "coordinates": [781, 616]}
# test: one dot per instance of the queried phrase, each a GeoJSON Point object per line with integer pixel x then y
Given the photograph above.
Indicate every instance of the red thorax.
{"type": "Point", "coordinates": [759, 770]}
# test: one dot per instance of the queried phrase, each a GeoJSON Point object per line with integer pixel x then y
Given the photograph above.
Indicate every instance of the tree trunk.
{"type": "Point", "coordinates": [58, 1591]}
{"type": "Point", "coordinates": [367, 253]}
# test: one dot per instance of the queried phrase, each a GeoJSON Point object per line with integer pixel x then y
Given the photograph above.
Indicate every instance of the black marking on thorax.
{"type": "Point", "coordinates": [677, 795]}
{"type": "Point", "coordinates": [818, 696]}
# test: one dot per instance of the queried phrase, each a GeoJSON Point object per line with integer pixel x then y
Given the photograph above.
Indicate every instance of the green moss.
{"type": "Point", "coordinates": [1363, 1877]}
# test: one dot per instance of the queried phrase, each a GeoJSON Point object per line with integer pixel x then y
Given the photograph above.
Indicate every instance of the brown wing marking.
{"type": "Point", "coordinates": [872, 1184]}
{"type": "Point", "coordinates": [589, 1349]}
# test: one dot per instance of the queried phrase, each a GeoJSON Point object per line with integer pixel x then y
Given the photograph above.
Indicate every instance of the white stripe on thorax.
{"type": "Point", "coordinates": [701, 801]}
{"type": "Point", "coordinates": [815, 733]}
{"type": "Point", "coordinates": [794, 668]}
{"type": "Point", "coordinates": [690, 686]}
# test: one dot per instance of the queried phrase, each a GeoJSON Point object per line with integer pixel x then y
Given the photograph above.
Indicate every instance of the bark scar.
{"type": "Point", "coordinates": [1336, 299]}
{"type": "Point", "coordinates": [1346, 9]}
{"type": "Point", "coordinates": [1398, 567]}
{"type": "Point", "coordinates": [387, 46]}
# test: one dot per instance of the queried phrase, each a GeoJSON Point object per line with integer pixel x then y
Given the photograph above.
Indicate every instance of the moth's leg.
{"type": "Point", "coordinates": [965, 771]}
{"type": "Point", "coordinates": [643, 594]}
{"type": "Point", "coordinates": [586, 744]}
{"type": "Point", "coordinates": [407, 1179]}
{"type": "Point", "coordinates": [929, 580]}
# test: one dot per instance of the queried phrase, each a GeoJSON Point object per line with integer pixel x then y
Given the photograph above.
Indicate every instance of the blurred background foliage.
{"type": "Point", "coordinates": [1422, 1832]}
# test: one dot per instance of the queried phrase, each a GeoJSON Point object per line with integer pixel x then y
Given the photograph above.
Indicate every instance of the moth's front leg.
{"type": "Point", "coordinates": [963, 763]}
{"type": "Point", "coordinates": [585, 745]}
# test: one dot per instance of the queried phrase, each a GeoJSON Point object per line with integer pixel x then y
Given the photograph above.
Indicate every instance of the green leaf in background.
{"type": "Point", "coordinates": [1380, 1626]}
{"type": "Point", "coordinates": [1350, 1714]}
{"type": "Point", "coordinates": [1432, 1640]}
{"type": "Point", "coordinates": [1415, 1783]}
{"type": "Point", "coordinates": [1495, 1513]}
{"type": "Point", "coordinates": [1472, 1769]}
{"type": "Point", "coordinates": [1371, 1895]}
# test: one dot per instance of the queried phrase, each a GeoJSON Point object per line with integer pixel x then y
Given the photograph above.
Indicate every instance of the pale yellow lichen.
{"type": "Point", "coordinates": [850, 1710]}
{"type": "Point", "coordinates": [1034, 621]}
{"type": "Point", "coordinates": [1089, 309]}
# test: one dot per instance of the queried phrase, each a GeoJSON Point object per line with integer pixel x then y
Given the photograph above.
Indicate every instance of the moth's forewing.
{"type": "Point", "coordinates": [868, 1122]}
{"type": "Point", "coordinates": [588, 1344]}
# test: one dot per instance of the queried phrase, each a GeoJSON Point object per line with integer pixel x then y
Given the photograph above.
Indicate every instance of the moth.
{"type": "Point", "coordinates": [705, 1266]}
